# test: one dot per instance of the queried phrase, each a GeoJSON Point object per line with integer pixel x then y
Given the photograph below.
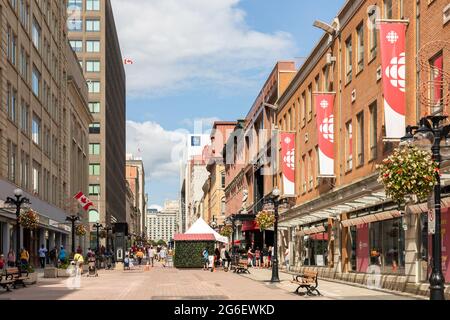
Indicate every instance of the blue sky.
{"type": "Point", "coordinates": [203, 59]}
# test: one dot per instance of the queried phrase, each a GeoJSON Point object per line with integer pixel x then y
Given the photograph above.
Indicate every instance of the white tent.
{"type": "Point", "coordinates": [201, 227]}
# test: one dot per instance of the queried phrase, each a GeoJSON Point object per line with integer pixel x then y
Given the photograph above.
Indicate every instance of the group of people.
{"type": "Point", "coordinates": [221, 257]}
{"type": "Point", "coordinates": [55, 256]}
{"type": "Point", "coordinates": [151, 253]}
{"type": "Point", "coordinates": [260, 258]}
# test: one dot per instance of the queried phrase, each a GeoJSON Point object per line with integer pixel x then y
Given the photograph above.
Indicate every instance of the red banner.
{"type": "Point", "coordinates": [288, 163]}
{"type": "Point", "coordinates": [393, 44]}
{"type": "Point", "coordinates": [325, 126]}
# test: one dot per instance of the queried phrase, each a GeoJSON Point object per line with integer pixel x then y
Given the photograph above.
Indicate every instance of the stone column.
{"type": "Point", "coordinates": [345, 258]}
{"type": "Point", "coordinates": [51, 240]}
{"type": "Point", "coordinates": [337, 246]}
{"type": "Point", "coordinates": [6, 238]}
{"type": "Point", "coordinates": [412, 259]}
{"type": "Point", "coordinates": [41, 237]}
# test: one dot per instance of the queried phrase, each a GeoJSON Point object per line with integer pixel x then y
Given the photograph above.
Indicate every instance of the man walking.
{"type": "Point", "coordinates": [151, 255]}
{"type": "Point", "coordinates": [162, 255]}
{"type": "Point", "coordinates": [42, 255]}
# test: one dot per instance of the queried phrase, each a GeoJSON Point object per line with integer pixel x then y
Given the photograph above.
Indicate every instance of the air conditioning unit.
{"type": "Point", "coordinates": [354, 95]}
{"type": "Point", "coordinates": [306, 137]}
{"type": "Point", "coordinates": [379, 75]}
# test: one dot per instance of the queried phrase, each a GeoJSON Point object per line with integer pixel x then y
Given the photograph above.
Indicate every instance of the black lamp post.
{"type": "Point", "coordinates": [18, 201]}
{"type": "Point", "coordinates": [432, 134]}
{"type": "Point", "coordinates": [276, 202]}
{"type": "Point", "coordinates": [73, 219]}
{"type": "Point", "coordinates": [98, 226]}
{"type": "Point", "coordinates": [107, 229]}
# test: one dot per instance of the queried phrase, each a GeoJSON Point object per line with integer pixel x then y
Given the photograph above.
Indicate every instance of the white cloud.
{"type": "Point", "coordinates": [178, 43]}
{"type": "Point", "coordinates": [155, 206]}
{"type": "Point", "coordinates": [158, 148]}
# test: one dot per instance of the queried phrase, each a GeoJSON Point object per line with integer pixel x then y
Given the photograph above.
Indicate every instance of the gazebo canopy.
{"type": "Point", "coordinates": [201, 227]}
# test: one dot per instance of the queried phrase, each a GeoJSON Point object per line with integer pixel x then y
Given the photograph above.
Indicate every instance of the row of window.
{"type": "Point", "coordinates": [91, 5]}
{"type": "Point", "coordinates": [92, 46]}
{"type": "Point", "coordinates": [75, 24]}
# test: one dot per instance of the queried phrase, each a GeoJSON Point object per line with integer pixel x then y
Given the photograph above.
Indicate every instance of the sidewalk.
{"type": "Point", "coordinates": [330, 289]}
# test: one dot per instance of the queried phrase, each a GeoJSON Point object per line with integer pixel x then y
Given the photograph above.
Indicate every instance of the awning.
{"type": "Point", "coordinates": [249, 225]}
{"type": "Point", "coordinates": [312, 230]}
{"type": "Point", "coordinates": [195, 237]}
{"type": "Point", "coordinates": [387, 215]}
{"type": "Point", "coordinates": [423, 207]}
{"type": "Point", "coordinates": [320, 236]}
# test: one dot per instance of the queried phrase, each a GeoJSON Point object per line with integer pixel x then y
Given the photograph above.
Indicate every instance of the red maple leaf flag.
{"type": "Point", "coordinates": [83, 200]}
{"type": "Point", "coordinates": [128, 61]}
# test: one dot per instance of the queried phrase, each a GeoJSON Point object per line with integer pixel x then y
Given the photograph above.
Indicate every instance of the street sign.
{"type": "Point", "coordinates": [431, 222]}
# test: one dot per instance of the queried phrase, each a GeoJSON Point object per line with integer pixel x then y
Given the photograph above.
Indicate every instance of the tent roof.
{"type": "Point", "coordinates": [195, 237]}
{"type": "Point", "coordinates": [201, 227]}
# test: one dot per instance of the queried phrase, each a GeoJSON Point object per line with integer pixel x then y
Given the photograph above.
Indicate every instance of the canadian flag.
{"type": "Point", "coordinates": [127, 61]}
{"type": "Point", "coordinates": [83, 200]}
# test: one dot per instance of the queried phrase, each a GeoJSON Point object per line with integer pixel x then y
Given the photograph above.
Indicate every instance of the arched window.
{"type": "Point", "coordinates": [94, 216]}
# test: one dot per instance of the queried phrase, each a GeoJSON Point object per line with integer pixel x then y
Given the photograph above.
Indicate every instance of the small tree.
{"type": "Point", "coordinates": [161, 243]}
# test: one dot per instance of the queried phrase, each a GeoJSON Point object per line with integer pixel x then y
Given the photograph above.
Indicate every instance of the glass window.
{"type": "Point", "coordinates": [92, 46]}
{"type": "Point", "coordinates": [93, 86]}
{"type": "Point", "coordinates": [309, 102]}
{"type": "Point", "coordinates": [36, 130]}
{"type": "Point", "coordinates": [373, 130]}
{"type": "Point", "coordinates": [360, 150]}
{"type": "Point", "coordinates": [94, 216]}
{"type": "Point", "coordinates": [360, 53]}
{"type": "Point", "coordinates": [387, 9]}
{"type": "Point", "coordinates": [75, 4]}
{"type": "Point", "coordinates": [92, 5]}
{"type": "Point", "coordinates": [94, 189]}
{"type": "Point", "coordinates": [77, 45]}
{"type": "Point", "coordinates": [94, 128]}
{"type": "Point", "coordinates": [349, 145]}
{"type": "Point", "coordinates": [36, 81]}
{"type": "Point", "coordinates": [24, 118]}
{"type": "Point", "coordinates": [75, 24]}
{"type": "Point", "coordinates": [92, 66]}
{"type": "Point", "coordinates": [348, 59]}
{"type": "Point", "coordinates": [36, 176]}
{"type": "Point", "coordinates": [373, 34]}
{"type": "Point", "coordinates": [94, 107]}
{"type": "Point", "coordinates": [36, 34]}
{"type": "Point", "coordinates": [92, 25]}
{"type": "Point", "coordinates": [94, 148]}
{"type": "Point", "coordinates": [12, 161]}
{"type": "Point", "coordinates": [94, 169]}
{"type": "Point", "coordinates": [437, 83]}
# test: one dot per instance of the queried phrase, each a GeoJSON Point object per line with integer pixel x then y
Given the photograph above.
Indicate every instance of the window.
{"type": "Point", "coordinates": [436, 82]}
{"type": "Point", "coordinates": [317, 165]}
{"type": "Point", "coordinates": [24, 117]}
{"type": "Point", "coordinates": [360, 53]}
{"type": "Point", "coordinates": [36, 130]}
{"type": "Point", "coordinates": [92, 46]}
{"type": "Point", "coordinates": [75, 5]}
{"type": "Point", "coordinates": [349, 145]}
{"type": "Point", "coordinates": [222, 174]}
{"type": "Point", "coordinates": [12, 103]}
{"type": "Point", "coordinates": [387, 9]}
{"type": "Point", "coordinates": [24, 14]}
{"type": "Point", "coordinates": [92, 25]}
{"type": "Point", "coordinates": [94, 189]}
{"type": "Point", "coordinates": [305, 174]}
{"type": "Point", "coordinates": [94, 148]}
{"type": "Point", "coordinates": [75, 25]}
{"type": "Point", "coordinates": [92, 5]}
{"type": "Point", "coordinates": [36, 35]}
{"type": "Point", "coordinates": [24, 63]}
{"type": "Point", "coordinates": [303, 109]}
{"type": "Point", "coordinates": [348, 59]}
{"type": "Point", "coordinates": [77, 45]}
{"type": "Point", "coordinates": [360, 137]}
{"type": "Point", "coordinates": [12, 161]}
{"type": "Point", "coordinates": [36, 178]}
{"type": "Point", "coordinates": [13, 56]}
{"type": "Point", "coordinates": [94, 216]}
{"type": "Point", "coordinates": [94, 128]}
{"type": "Point", "coordinates": [36, 81]}
{"type": "Point", "coordinates": [310, 101]}
{"type": "Point", "coordinates": [373, 130]}
{"type": "Point", "coordinates": [94, 169]}
{"type": "Point", "coordinates": [94, 107]}
{"type": "Point", "coordinates": [195, 141]}
{"type": "Point", "coordinates": [92, 66]}
{"type": "Point", "coordinates": [373, 35]}
{"type": "Point", "coordinates": [310, 170]}
{"type": "Point", "coordinates": [24, 170]}
{"type": "Point", "coordinates": [93, 86]}
{"type": "Point", "coordinates": [326, 80]}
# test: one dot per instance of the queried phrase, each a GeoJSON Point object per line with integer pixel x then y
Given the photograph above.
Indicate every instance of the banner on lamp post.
{"type": "Point", "coordinates": [324, 103]}
{"type": "Point", "coordinates": [393, 44]}
{"type": "Point", "coordinates": [288, 163]}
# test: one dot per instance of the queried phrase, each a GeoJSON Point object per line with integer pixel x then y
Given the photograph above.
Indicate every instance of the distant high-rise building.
{"type": "Point", "coordinates": [93, 36]}
{"type": "Point", "coordinates": [135, 176]}
{"type": "Point", "coordinates": [162, 225]}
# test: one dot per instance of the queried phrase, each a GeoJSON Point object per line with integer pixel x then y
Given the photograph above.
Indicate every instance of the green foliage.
{"type": "Point", "coordinates": [188, 254]}
{"type": "Point", "coordinates": [161, 243]}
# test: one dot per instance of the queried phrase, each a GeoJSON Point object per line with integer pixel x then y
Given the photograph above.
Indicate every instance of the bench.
{"type": "Point", "coordinates": [6, 281]}
{"type": "Point", "coordinates": [17, 276]}
{"type": "Point", "coordinates": [241, 267]}
{"type": "Point", "coordinates": [309, 281]}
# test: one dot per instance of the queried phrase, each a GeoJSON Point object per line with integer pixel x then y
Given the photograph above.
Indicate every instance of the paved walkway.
{"type": "Point", "coordinates": [173, 284]}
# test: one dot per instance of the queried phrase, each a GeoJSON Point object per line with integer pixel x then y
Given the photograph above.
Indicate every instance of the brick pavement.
{"type": "Point", "coordinates": [174, 284]}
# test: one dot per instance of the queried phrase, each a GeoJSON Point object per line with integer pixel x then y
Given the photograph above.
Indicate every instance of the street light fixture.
{"type": "Point", "coordinates": [73, 219]}
{"type": "Point", "coordinates": [431, 134]}
{"type": "Point", "coordinates": [18, 202]}
{"type": "Point", "coordinates": [98, 226]}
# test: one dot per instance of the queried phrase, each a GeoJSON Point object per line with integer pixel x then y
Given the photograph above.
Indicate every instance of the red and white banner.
{"type": "Point", "coordinates": [83, 201]}
{"type": "Point", "coordinates": [128, 61]}
{"type": "Point", "coordinates": [288, 163]}
{"type": "Point", "coordinates": [393, 44]}
{"type": "Point", "coordinates": [324, 103]}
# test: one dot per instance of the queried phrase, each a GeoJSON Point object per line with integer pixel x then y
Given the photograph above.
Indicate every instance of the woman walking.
{"type": "Point", "coordinates": [11, 258]}
{"type": "Point", "coordinates": [258, 258]}
{"type": "Point", "coordinates": [250, 257]}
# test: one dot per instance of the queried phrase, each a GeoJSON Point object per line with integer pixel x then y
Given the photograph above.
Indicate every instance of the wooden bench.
{"type": "Point", "coordinates": [309, 281]}
{"type": "Point", "coordinates": [17, 276]}
{"type": "Point", "coordinates": [241, 267]}
{"type": "Point", "coordinates": [6, 281]}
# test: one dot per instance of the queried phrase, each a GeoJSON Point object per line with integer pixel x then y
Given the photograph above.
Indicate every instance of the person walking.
{"type": "Point", "coordinates": [79, 260]}
{"type": "Point", "coordinates": [162, 255]}
{"type": "Point", "coordinates": [11, 258]}
{"type": "Point", "coordinates": [2, 261]}
{"type": "Point", "coordinates": [42, 255]}
{"type": "Point", "coordinates": [250, 257]}
{"type": "Point", "coordinates": [205, 256]}
{"type": "Point", "coordinates": [151, 255]}
{"type": "Point", "coordinates": [140, 256]}
{"type": "Point", "coordinates": [79, 250]}
{"type": "Point", "coordinates": [258, 258]}
{"type": "Point", "coordinates": [24, 258]}
{"type": "Point", "coordinates": [269, 257]}
{"type": "Point", "coordinates": [62, 255]}
{"type": "Point", "coordinates": [53, 256]}
{"type": "Point", "coordinates": [286, 258]}
{"type": "Point", "coordinates": [222, 256]}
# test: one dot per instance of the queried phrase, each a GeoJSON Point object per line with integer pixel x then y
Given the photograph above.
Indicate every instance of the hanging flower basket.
{"type": "Point", "coordinates": [226, 231]}
{"type": "Point", "coordinates": [408, 172]}
{"type": "Point", "coordinates": [265, 220]}
{"type": "Point", "coordinates": [80, 230]}
{"type": "Point", "coordinates": [28, 219]}
{"type": "Point", "coordinates": [102, 234]}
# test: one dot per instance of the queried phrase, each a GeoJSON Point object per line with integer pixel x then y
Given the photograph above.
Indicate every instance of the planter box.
{"type": "Point", "coordinates": [50, 273]}
{"type": "Point", "coordinates": [32, 278]}
{"type": "Point", "coordinates": [62, 273]}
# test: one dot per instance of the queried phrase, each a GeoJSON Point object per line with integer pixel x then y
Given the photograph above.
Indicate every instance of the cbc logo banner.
{"type": "Point", "coordinates": [374, 278]}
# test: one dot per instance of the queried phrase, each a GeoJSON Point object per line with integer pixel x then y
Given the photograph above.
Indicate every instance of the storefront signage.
{"type": "Point", "coordinates": [320, 261]}
{"type": "Point", "coordinates": [431, 222]}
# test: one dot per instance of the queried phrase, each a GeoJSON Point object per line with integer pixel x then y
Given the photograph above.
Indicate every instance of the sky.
{"type": "Point", "coordinates": [198, 61]}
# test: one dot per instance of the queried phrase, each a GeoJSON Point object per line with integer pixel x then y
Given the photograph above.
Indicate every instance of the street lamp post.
{"type": "Point", "coordinates": [98, 226]}
{"type": "Point", "coordinates": [18, 202]}
{"type": "Point", "coordinates": [73, 219]}
{"type": "Point", "coordinates": [276, 203]}
{"type": "Point", "coordinates": [431, 133]}
{"type": "Point", "coordinates": [107, 229]}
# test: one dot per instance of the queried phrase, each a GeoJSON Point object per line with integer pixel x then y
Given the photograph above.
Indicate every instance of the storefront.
{"type": "Point", "coordinates": [314, 244]}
